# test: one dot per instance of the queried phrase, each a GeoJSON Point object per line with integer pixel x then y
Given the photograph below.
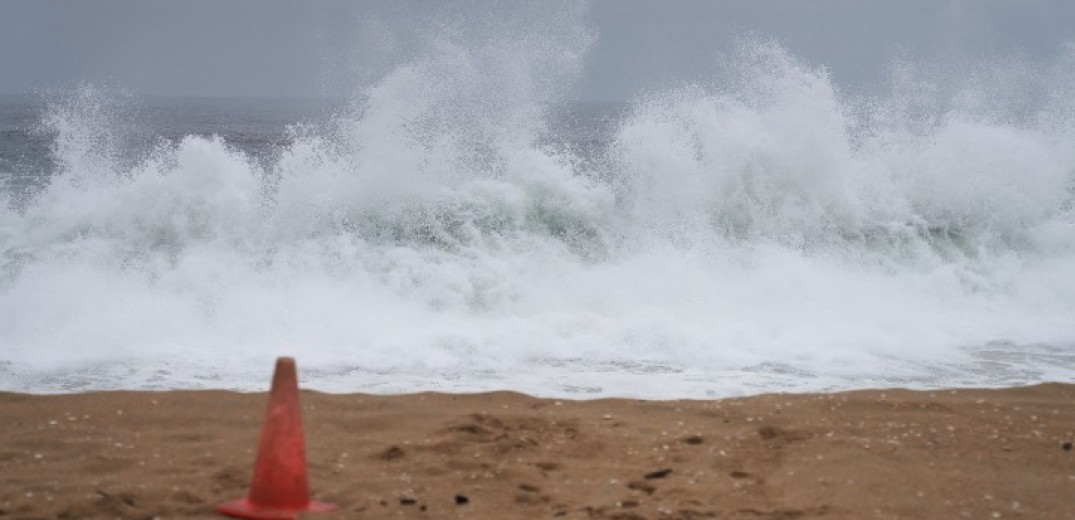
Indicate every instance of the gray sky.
{"type": "Point", "coordinates": [328, 47]}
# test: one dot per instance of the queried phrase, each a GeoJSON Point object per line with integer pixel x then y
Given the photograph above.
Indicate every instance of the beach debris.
{"type": "Point", "coordinates": [461, 500]}
{"type": "Point", "coordinates": [694, 440]}
{"type": "Point", "coordinates": [642, 485]}
{"type": "Point", "coordinates": [407, 501]}
{"type": "Point", "coordinates": [1066, 446]}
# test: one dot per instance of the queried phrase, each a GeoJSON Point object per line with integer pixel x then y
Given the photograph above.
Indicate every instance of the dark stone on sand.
{"type": "Point", "coordinates": [658, 474]}
{"type": "Point", "coordinates": [461, 499]}
{"type": "Point", "coordinates": [694, 439]}
{"type": "Point", "coordinates": [392, 453]}
{"type": "Point", "coordinates": [1066, 446]}
{"type": "Point", "coordinates": [407, 501]}
{"type": "Point", "coordinates": [642, 485]}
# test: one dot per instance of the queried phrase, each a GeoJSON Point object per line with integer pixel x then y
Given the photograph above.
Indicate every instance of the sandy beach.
{"type": "Point", "coordinates": [865, 454]}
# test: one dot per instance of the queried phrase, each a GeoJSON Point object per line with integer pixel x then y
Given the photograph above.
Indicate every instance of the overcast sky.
{"type": "Point", "coordinates": [326, 47]}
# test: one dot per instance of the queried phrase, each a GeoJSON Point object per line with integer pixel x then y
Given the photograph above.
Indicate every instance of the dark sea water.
{"type": "Point", "coordinates": [259, 128]}
{"type": "Point", "coordinates": [256, 127]}
{"type": "Point", "coordinates": [458, 226]}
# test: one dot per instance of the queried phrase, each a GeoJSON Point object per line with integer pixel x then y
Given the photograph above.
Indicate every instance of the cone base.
{"type": "Point", "coordinates": [244, 508]}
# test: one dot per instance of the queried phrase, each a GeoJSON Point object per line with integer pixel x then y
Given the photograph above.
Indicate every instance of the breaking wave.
{"type": "Point", "coordinates": [764, 232]}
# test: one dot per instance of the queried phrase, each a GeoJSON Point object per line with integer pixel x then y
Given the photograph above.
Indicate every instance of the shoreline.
{"type": "Point", "coordinates": [884, 453]}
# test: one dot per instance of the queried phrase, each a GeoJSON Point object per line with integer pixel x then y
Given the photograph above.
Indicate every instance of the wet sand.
{"type": "Point", "coordinates": [867, 454]}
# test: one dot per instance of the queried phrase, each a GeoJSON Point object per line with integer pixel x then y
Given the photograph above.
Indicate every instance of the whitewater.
{"type": "Point", "coordinates": [764, 232]}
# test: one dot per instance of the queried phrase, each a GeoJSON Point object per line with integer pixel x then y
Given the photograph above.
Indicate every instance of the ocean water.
{"type": "Point", "coordinates": [461, 226]}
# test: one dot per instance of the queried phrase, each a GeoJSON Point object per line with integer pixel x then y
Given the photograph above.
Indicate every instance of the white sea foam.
{"type": "Point", "coordinates": [759, 234]}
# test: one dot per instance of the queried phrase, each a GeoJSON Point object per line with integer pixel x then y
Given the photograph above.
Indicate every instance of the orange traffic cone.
{"type": "Point", "coordinates": [279, 489]}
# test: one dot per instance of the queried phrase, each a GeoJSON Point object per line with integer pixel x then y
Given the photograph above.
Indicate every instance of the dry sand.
{"type": "Point", "coordinates": [868, 454]}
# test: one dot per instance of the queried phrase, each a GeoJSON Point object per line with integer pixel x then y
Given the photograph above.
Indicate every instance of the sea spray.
{"type": "Point", "coordinates": [756, 234]}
